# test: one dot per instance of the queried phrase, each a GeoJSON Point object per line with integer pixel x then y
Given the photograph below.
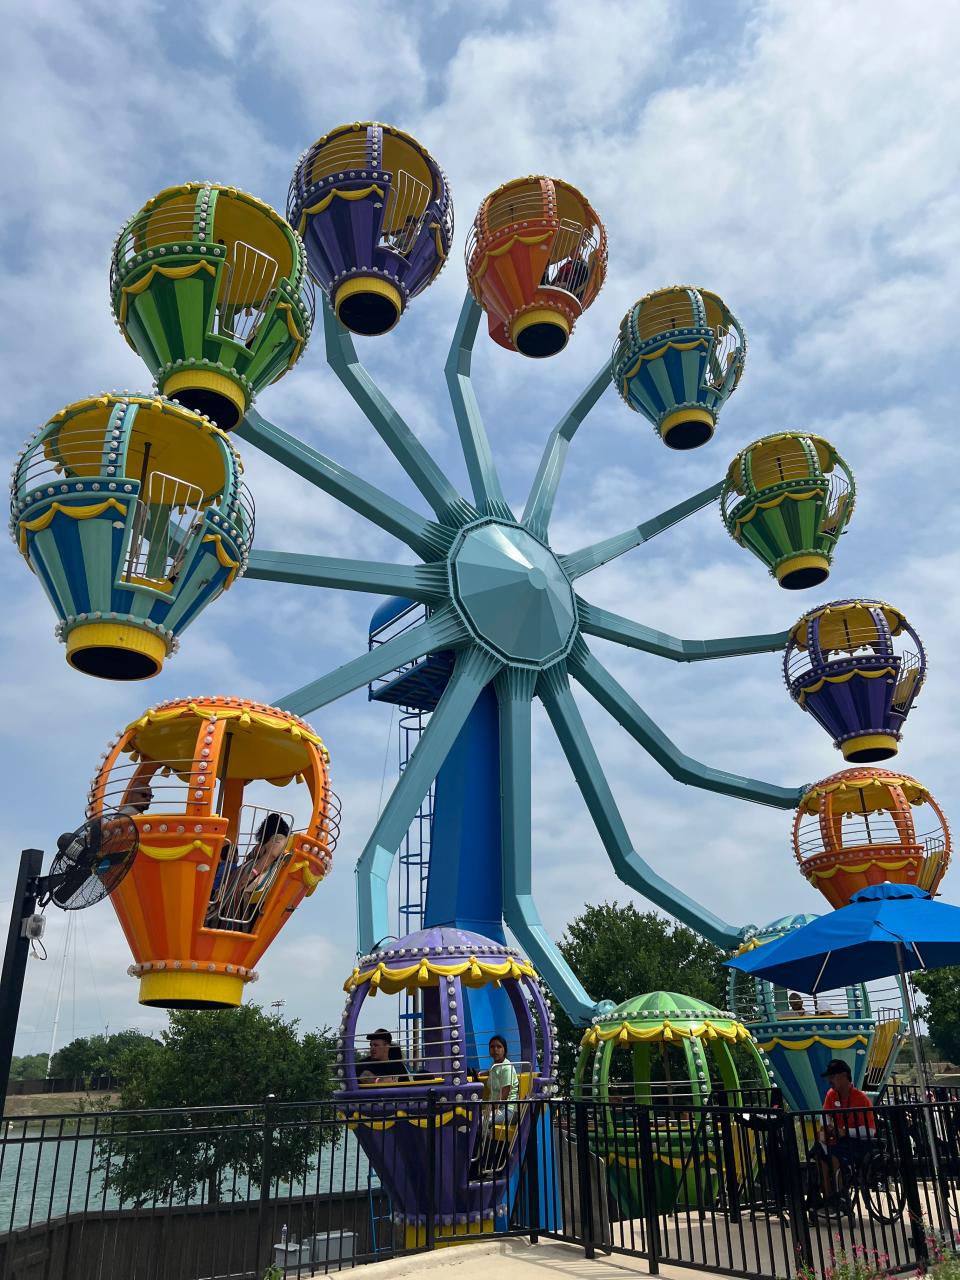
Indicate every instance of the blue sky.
{"type": "Point", "coordinates": [800, 160]}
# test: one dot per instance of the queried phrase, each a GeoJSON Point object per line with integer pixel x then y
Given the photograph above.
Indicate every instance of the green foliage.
{"type": "Point", "coordinates": [94, 1055]}
{"type": "Point", "coordinates": [941, 1012]}
{"type": "Point", "coordinates": [619, 952]}
{"type": "Point", "coordinates": [31, 1067]}
{"type": "Point", "coordinates": [218, 1060]}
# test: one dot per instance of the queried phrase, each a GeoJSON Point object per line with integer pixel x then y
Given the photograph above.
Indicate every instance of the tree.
{"type": "Point", "coordinates": [31, 1067]}
{"type": "Point", "coordinates": [619, 952]}
{"type": "Point", "coordinates": [941, 1012]}
{"type": "Point", "coordinates": [93, 1055]}
{"type": "Point", "coordinates": [220, 1059]}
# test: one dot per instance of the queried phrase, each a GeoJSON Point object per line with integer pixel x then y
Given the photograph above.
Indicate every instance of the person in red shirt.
{"type": "Point", "coordinates": [848, 1129]}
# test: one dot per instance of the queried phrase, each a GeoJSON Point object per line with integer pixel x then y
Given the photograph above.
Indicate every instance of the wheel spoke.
{"type": "Point", "coordinates": [342, 358]}
{"type": "Point", "coordinates": [514, 691]}
{"type": "Point", "coordinates": [612, 696]}
{"type": "Point", "coordinates": [474, 669]}
{"type": "Point", "coordinates": [443, 630]}
{"type": "Point", "coordinates": [613, 626]}
{"type": "Point", "coordinates": [587, 558]}
{"type": "Point", "coordinates": [539, 508]}
{"type": "Point", "coordinates": [554, 690]}
{"type": "Point", "coordinates": [427, 539]}
{"type": "Point", "coordinates": [416, 582]}
{"type": "Point", "coordinates": [481, 468]}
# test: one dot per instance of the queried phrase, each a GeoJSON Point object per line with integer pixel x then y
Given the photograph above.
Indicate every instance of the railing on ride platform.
{"type": "Point", "coordinates": [315, 1187]}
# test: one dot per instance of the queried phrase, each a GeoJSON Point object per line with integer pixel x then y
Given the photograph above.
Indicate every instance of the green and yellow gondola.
{"type": "Point", "coordinates": [787, 498]}
{"type": "Point", "coordinates": [131, 512]}
{"type": "Point", "coordinates": [209, 287]}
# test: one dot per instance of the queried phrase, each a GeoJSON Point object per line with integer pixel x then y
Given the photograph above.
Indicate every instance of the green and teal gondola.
{"type": "Point", "coordinates": [787, 498]}
{"type": "Point", "coordinates": [678, 356]}
{"type": "Point", "coordinates": [131, 512]}
{"type": "Point", "coordinates": [209, 287]}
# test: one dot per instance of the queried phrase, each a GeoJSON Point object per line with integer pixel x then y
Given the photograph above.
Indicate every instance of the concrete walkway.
{"type": "Point", "coordinates": [517, 1258]}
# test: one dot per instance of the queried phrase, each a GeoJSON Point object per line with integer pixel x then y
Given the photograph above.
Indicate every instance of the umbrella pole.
{"type": "Point", "coordinates": [927, 1109]}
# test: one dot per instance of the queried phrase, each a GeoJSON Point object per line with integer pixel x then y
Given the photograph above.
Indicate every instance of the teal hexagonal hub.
{"type": "Point", "coordinates": [513, 594]}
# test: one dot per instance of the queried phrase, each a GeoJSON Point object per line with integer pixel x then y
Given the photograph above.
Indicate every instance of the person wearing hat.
{"type": "Point", "coordinates": [848, 1130]}
{"type": "Point", "coordinates": [385, 1061]}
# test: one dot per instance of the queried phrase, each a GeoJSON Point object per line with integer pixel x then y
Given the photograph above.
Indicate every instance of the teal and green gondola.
{"type": "Point", "coordinates": [131, 512]}
{"type": "Point", "coordinates": [671, 1054]}
{"type": "Point", "coordinates": [787, 498]}
{"type": "Point", "coordinates": [209, 287]}
{"type": "Point", "coordinates": [679, 355]}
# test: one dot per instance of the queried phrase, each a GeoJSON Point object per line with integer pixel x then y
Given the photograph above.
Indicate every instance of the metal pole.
{"type": "Point", "coordinates": [924, 1103]}
{"type": "Point", "coordinates": [15, 960]}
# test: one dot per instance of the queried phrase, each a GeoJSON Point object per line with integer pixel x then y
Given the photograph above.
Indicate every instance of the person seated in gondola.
{"type": "Point", "coordinates": [245, 885]}
{"type": "Point", "coordinates": [499, 1110]}
{"type": "Point", "coordinates": [848, 1133]}
{"type": "Point", "coordinates": [384, 1064]}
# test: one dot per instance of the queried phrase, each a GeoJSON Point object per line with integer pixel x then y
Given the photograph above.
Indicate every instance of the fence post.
{"type": "Point", "coordinates": [266, 1174]}
{"type": "Point", "coordinates": [907, 1166]}
{"type": "Point", "coordinates": [792, 1148]}
{"type": "Point", "coordinates": [431, 1225]}
{"type": "Point", "coordinates": [651, 1223]}
{"type": "Point", "coordinates": [731, 1186]}
{"type": "Point", "coordinates": [533, 1172]}
{"type": "Point", "coordinates": [584, 1178]}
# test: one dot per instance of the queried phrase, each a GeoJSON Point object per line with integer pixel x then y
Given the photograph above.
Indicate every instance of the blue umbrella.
{"type": "Point", "coordinates": [883, 930]}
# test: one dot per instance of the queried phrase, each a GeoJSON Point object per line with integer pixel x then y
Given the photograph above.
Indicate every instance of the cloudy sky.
{"type": "Point", "coordinates": [795, 158]}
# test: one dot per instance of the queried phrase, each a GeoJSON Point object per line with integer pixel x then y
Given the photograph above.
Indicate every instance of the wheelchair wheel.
{"type": "Point", "coordinates": [882, 1188]}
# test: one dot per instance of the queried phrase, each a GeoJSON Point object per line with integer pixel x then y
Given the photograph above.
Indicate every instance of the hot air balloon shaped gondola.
{"type": "Point", "coordinates": [374, 210]}
{"type": "Point", "coordinates": [670, 1053]}
{"type": "Point", "coordinates": [536, 259]}
{"type": "Point", "coordinates": [856, 666]}
{"type": "Point", "coordinates": [862, 826]}
{"type": "Point", "coordinates": [222, 863]}
{"type": "Point", "coordinates": [788, 498]}
{"type": "Point", "coordinates": [800, 1034]}
{"type": "Point", "coordinates": [131, 512]}
{"type": "Point", "coordinates": [678, 356]}
{"type": "Point", "coordinates": [477, 1148]}
{"type": "Point", "coordinates": [209, 287]}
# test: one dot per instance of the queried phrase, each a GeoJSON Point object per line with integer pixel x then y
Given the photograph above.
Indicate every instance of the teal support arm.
{"type": "Point", "coordinates": [473, 670]}
{"type": "Point", "coordinates": [442, 630]}
{"type": "Point", "coordinates": [612, 626]}
{"type": "Point", "coordinates": [482, 470]}
{"type": "Point", "coordinates": [554, 691]}
{"type": "Point", "coordinates": [514, 690]}
{"type": "Point", "coordinates": [428, 539]}
{"type": "Point", "coordinates": [342, 358]}
{"type": "Point", "coordinates": [424, 582]}
{"type": "Point", "coordinates": [539, 508]}
{"type": "Point", "coordinates": [612, 696]}
{"type": "Point", "coordinates": [587, 558]}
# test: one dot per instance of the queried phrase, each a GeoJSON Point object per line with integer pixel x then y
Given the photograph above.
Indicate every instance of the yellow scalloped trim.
{"type": "Point", "coordinates": [243, 714]}
{"type": "Point", "coordinates": [506, 247]}
{"type": "Point", "coordinates": [856, 868]}
{"type": "Point", "coordinates": [160, 854]}
{"type": "Point", "coordinates": [803, 1045]}
{"type": "Point", "coordinates": [425, 973]}
{"type": "Point", "coordinates": [307, 876]}
{"type": "Point", "coordinates": [867, 675]}
{"type": "Point", "coordinates": [629, 1033]}
{"type": "Point", "coordinates": [773, 502]}
{"type": "Point", "coordinates": [294, 333]}
{"type": "Point", "coordinates": [675, 1162]}
{"type": "Point", "coordinates": [174, 273]}
{"type": "Point", "coordinates": [327, 200]}
{"type": "Point", "coordinates": [914, 791]}
{"type": "Point", "coordinates": [655, 355]}
{"type": "Point", "coordinates": [225, 559]}
{"type": "Point", "coordinates": [442, 1117]}
{"type": "Point", "coordinates": [88, 512]}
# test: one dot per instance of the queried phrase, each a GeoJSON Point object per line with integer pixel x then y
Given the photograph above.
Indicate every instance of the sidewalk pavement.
{"type": "Point", "coordinates": [516, 1259]}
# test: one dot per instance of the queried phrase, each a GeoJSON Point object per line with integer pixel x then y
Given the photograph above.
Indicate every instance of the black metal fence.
{"type": "Point", "coordinates": [314, 1188]}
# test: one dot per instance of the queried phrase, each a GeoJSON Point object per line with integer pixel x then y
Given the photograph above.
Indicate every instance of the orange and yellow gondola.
{"type": "Point", "coordinates": [222, 863]}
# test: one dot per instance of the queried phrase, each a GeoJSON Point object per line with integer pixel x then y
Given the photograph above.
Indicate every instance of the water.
{"type": "Point", "coordinates": [45, 1174]}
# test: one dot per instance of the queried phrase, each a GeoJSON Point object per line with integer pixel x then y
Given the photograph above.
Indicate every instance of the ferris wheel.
{"type": "Point", "coordinates": [132, 512]}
